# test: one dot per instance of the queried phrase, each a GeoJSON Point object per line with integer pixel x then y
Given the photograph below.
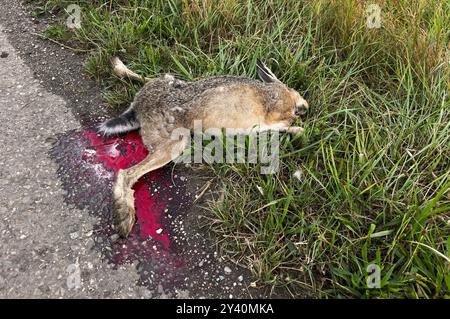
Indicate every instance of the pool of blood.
{"type": "Point", "coordinates": [123, 152]}
{"type": "Point", "coordinates": [88, 164]}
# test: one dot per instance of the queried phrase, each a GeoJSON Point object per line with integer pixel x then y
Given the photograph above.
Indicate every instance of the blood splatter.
{"type": "Point", "coordinates": [169, 251]}
{"type": "Point", "coordinates": [116, 153]}
{"type": "Point", "coordinates": [88, 165]}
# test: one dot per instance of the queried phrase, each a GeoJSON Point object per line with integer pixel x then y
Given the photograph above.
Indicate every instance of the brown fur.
{"type": "Point", "coordinates": [166, 103]}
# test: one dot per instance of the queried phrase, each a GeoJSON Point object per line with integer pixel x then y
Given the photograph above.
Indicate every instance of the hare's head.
{"type": "Point", "coordinates": [291, 102]}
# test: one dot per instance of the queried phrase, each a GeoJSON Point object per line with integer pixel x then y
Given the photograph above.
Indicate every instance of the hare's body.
{"type": "Point", "coordinates": [165, 104]}
{"type": "Point", "coordinates": [221, 102]}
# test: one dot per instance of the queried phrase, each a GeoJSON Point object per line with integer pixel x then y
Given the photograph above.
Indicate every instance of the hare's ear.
{"type": "Point", "coordinates": [265, 74]}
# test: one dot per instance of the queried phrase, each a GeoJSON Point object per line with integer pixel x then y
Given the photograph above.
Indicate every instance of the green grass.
{"type": "Point", "coordinates": [375, 157]}
{"type": "Point", "coordinates": [57, 32]}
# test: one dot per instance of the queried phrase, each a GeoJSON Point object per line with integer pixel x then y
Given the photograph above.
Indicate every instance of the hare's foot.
{"type": "Point", "coordinates": [124, 218]}
{"type": "Point", "coordinates": [125, 214]}
{"type": "Point", "coordinates": [123, 193]}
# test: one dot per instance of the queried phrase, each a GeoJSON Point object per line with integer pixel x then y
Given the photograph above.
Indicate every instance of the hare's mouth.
{"type": "Point", "coordinates": [301, 111]}
{"type": "Point", "coordinates": [301, 114]}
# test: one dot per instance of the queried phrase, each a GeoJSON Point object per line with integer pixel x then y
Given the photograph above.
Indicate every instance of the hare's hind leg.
{"type": "Point", "coordinates": [123, 192]}
{"type": "Point", "coordinates": [123, 71]}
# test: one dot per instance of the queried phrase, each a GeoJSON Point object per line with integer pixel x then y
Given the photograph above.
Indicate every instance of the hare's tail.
{"type": "Point", "coordinates": [125, 122]}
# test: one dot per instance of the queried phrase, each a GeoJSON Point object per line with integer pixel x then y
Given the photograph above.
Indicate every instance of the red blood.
{"type": "Point", "coordinates": [117, 152]}
{"type": "Point", "coordinates": [123, 152]}
{"type": "Point", "coordinates": [148, 211]}
{"type": "Point", "coordinates": [88, 164]}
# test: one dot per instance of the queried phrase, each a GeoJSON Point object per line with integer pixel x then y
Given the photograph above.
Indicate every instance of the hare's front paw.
{"type": "Point", "coordinates": [295, 130]}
